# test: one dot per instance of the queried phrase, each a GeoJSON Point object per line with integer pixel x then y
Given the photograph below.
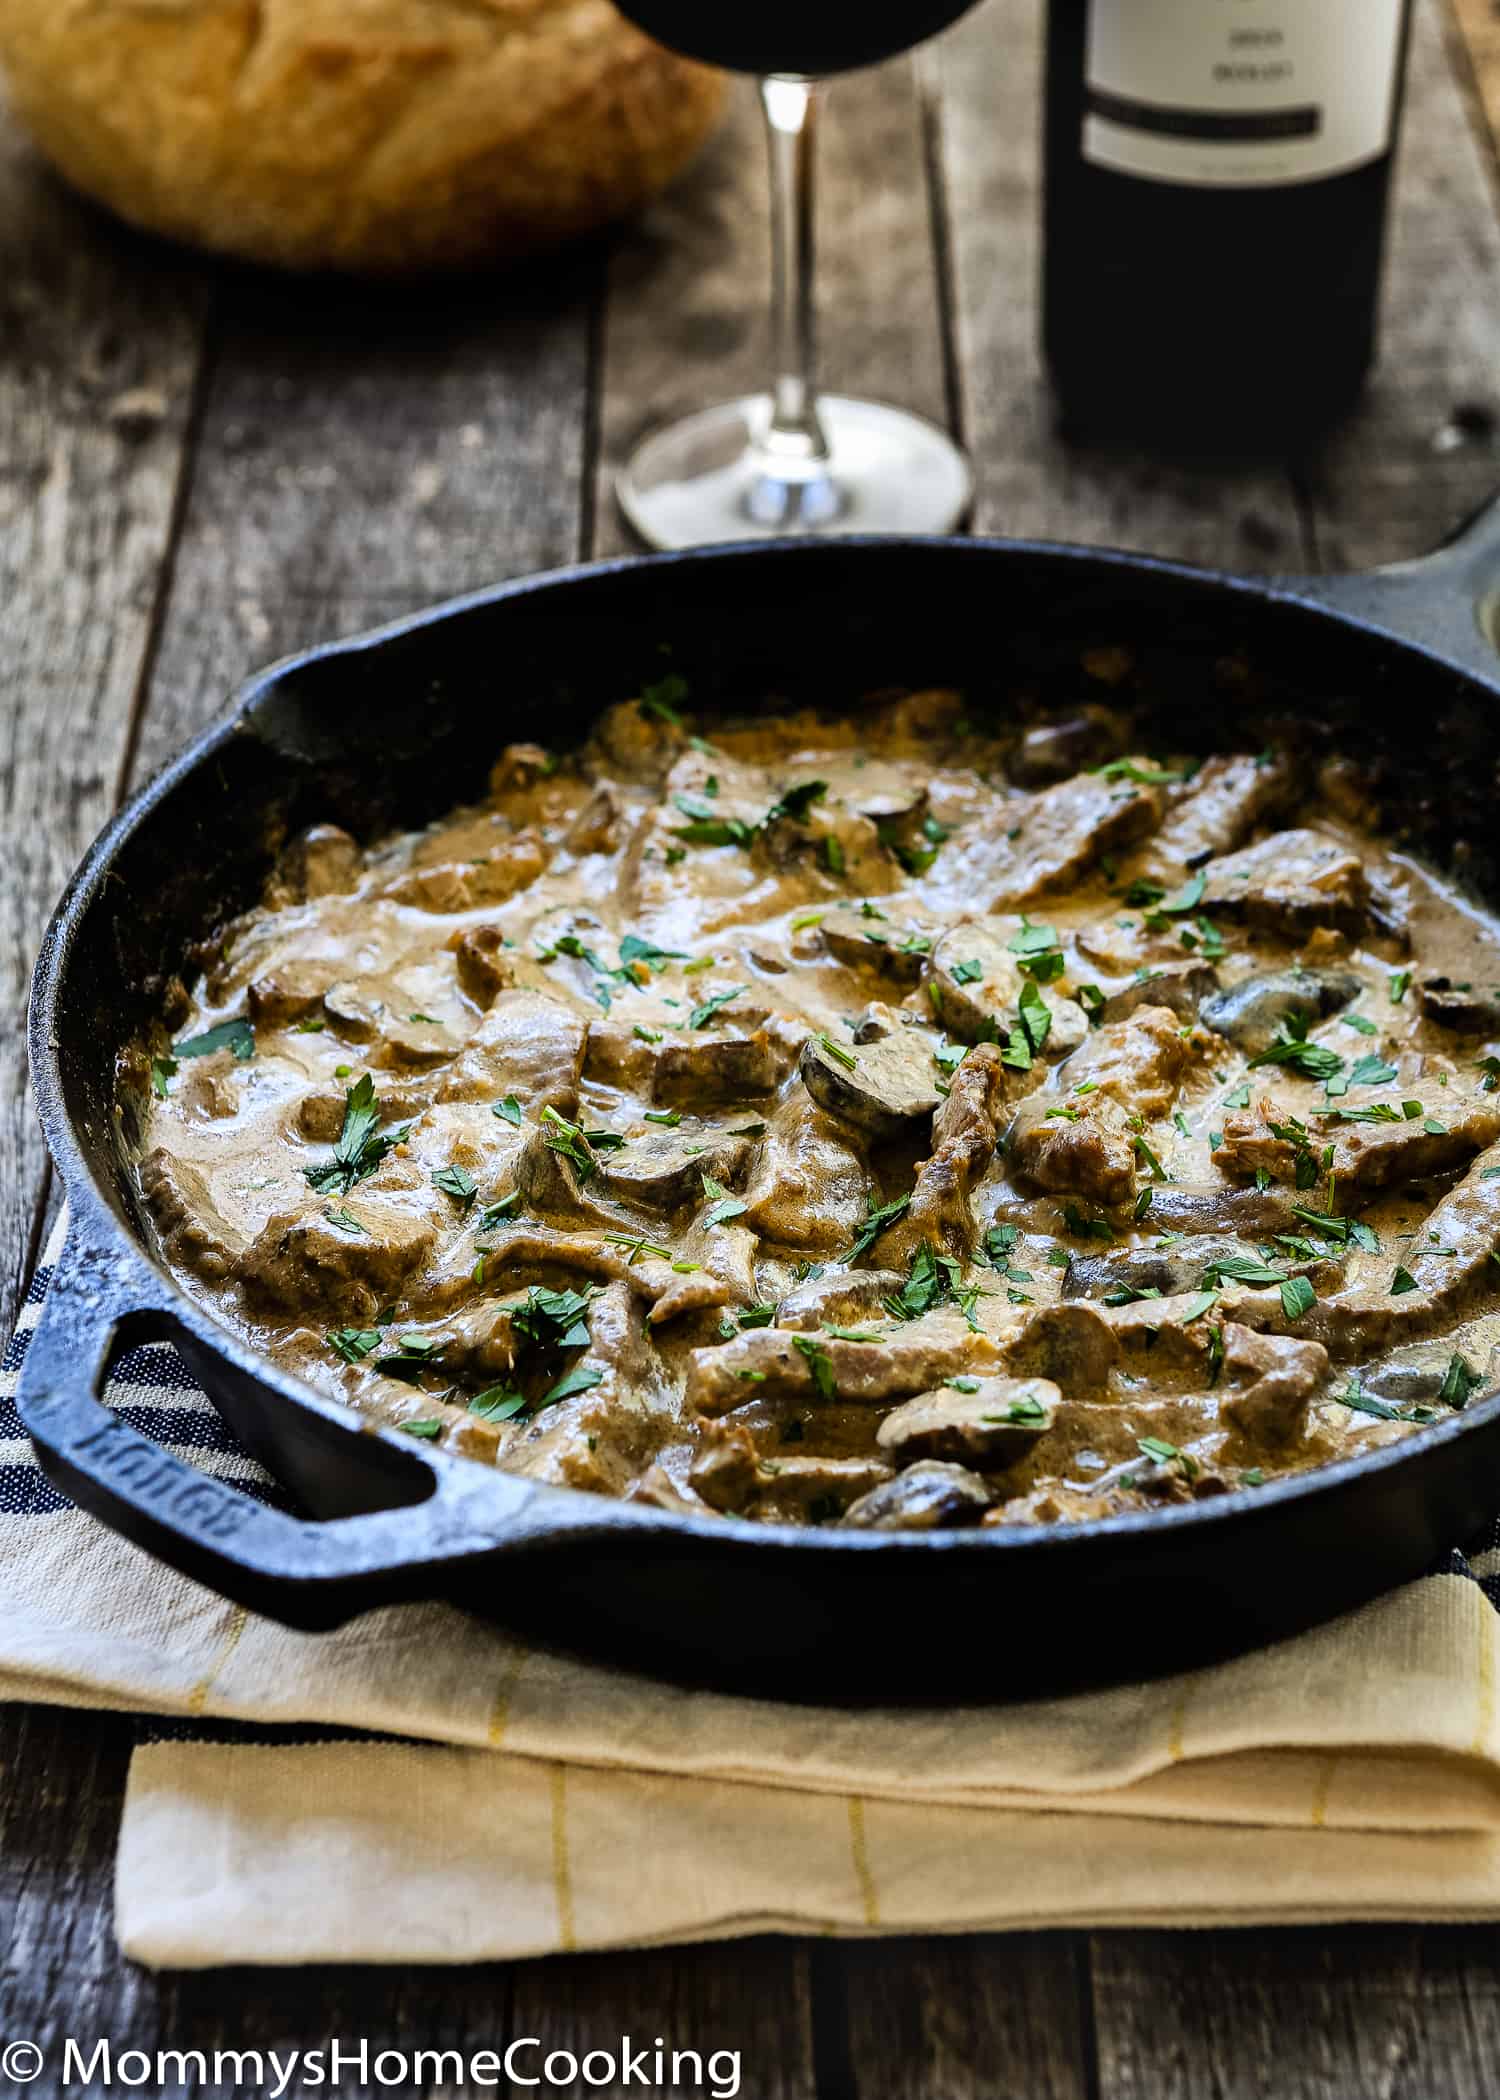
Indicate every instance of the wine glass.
{"type": "Point", "coordinates": [792, 460]}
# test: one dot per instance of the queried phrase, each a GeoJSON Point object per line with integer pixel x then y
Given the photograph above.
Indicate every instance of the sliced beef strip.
{"type": "Point", "coordinates": [770, 1363]}
{"type": "Point", "coordinates": [838, 1298]}
{"type": "Point", "coordinates": [310, 1257]}
{"type": "Point", "coordinates": [1220, 1207]}
{"type": "Point", "coordinates": [1250, 1012]}
{"type": "Point", "coordinates": [1089, 1152]}
{"type": "Point", "coordinates": [808, 1182]}
{"type": "Point", "coordinates": [1138, 1062]}
{"type": "Point", "coordinates": [965, 1131]}
{"type": "Point", "coordinates": [601, 1439]}
{"type": "Point", "coordinates": [396, 1036]}
{"type": "Point", "coordinates": [1451, 1128]}
{"type": "Point", "coordinates": [881, 1083]}
{"type": "Point", "coordinates": [321, 861]}
{"type": "Point", "coordinates": [929, 1496]}
{"type": "Point", "coordinates": [1290, 883]}
{"type": "Point", "coordinates": [529, 1045]}
{"type": "Point", "coordinates": [453, 886]}
{"type": "Point", "coordinates": [977, 1008]}
{"type": "Point", "coordinates": [893, 947]}
{"type": "Point", "coordinates": [1033, 847]}
{"type": "Point", "coordinates": [989, 1427]}
{"type": "Point", "coordinates": [1262, 1382]}
{"type": "Point", "coordinates": [193, 1232]}
{"type": "Point", "coordinates": [1453, 1266]}
{"type": "Point", "coordinates": [289, 991]}
{"type": "Point", "coordinates": [1219, 808]}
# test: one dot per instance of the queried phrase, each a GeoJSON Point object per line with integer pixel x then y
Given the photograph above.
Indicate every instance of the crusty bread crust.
{"type": "Point", "coordinates": [382, 136]}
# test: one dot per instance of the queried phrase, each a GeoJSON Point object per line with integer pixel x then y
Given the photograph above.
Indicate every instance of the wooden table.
{"type": "Point", "coordinates": [201, 468]}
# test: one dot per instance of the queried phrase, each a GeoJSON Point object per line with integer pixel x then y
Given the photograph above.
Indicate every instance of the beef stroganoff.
{"type": "Point", "coordinates": [879, 1119]}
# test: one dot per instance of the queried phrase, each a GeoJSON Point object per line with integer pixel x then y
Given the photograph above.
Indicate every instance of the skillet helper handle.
{"type": "Point", "coordinates": [1447, 602]}
{"type": "Point", "coordinates": [306, 1573]}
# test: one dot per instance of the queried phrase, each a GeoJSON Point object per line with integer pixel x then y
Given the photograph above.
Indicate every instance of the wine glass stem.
{"type": "Point", "coordinates": [795, 434]}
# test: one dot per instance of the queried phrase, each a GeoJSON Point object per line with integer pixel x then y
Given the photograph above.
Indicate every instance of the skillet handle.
{"type": "Point", "coordinates": [307, 1574]}
{"type": "Point", "coordinates": [1446, 602]}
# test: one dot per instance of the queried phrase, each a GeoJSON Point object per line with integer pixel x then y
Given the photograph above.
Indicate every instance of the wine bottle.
{"type": "Point", "coordinates": [1217, 177]}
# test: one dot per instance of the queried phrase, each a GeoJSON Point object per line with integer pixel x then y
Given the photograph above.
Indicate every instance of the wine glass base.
{"type": "Point", "coordinates": [713, 477]}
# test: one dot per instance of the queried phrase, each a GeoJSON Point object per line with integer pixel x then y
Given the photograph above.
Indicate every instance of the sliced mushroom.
{"type": "Point", "coordinates": [929, 1496]}
{"type": "Point", "coordinates": [1465, 1007]}
{"type": "Point", "coordinates": [1251, 1012]}
{"type": "Point", "coordinates": [1183, 988]}
{"type": "Point", "coordinates": [664, 1169]}
{"type": "Point", "coordinates": [867, 939]}
{"type": "Point", "coordinates": [984, 1422]}
{"type": "Point", "coordinates": [883, 1083]}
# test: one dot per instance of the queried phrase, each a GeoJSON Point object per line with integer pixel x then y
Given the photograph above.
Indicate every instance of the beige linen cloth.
{"type": "Point", "coordinates": [548, 1804]}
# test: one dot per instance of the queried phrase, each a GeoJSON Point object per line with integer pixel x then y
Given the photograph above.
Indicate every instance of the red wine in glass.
{"type": "Point", "coordinates": [792, 461]}
{"type": "Point", "coordinates": [807, 37]}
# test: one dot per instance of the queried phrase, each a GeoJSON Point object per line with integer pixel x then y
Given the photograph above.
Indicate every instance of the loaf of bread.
{"type": "Point", "coordinates": [382, 136]}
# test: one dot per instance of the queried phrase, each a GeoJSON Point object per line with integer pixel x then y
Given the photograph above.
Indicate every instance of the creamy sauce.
{"type": "Point", "coordinates": [866, 1120]}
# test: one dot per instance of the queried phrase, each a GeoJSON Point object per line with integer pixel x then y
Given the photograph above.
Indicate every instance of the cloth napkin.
{"type": "Point", "coordinates": [422, 1786]}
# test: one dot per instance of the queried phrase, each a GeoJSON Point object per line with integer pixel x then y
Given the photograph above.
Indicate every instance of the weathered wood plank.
{"type": "Point", "coordinates": [1366, 2013]}
{"type": "Point", "coordinates": [987, 2018]}
{"type": "Point", "coordinates": [89, 319]}
{"type": "Point", "coordinates": [687, 316]}
{"type": "Point", "coordinates": [1423, 449]}
{"type": "Point", "coordinates": [365, 452]}
{"type": "Point", "coordinates": [1032, 482]}
{"type": "Point", "coordinates": [750, 1998]}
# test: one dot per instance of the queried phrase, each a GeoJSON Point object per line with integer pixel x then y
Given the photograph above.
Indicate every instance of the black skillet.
{"type": "Point", "coordinates": [394, 727]}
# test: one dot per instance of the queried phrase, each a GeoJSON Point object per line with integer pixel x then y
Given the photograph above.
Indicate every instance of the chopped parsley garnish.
{"type": "Point", "coordinates": [701, 1016]}
{"type": "Point", "coordinates": [361, 1144]}
{"type": "Point", "coordinates": [818, 1361]}
{"type": "Point", "coordinates": [724, 1205]}
{"type": "Point", "coordinates": [1402, 1281]}
{"type": "Point", "coordinates": [566, 1138]}
{"type": "Point", "coordinates": [876, 1222]}
{"type": "Point", "coordinates": [794, 802]}
{"type": "Point", "coordinates": [581, 1379]}
{"type": "Point", "coordinates": [1358, 1021]}
{"type": "Point", "coordinates": [1292, 1049]}
{"type": "Point", "coordinates": [1143, 776]}
{"type": "Point", "coordinates": [634, 950]}
{"type": "Point", "coordinates": [1036, 951]}
{"type": "Point", "coordinates": [967, 972]}
{"type": "Point", "coordinates": [427, 1427]}
{"type": "Point", "coordinates": [1460, 1380]}
{"type": "Point", "coordinates": [162, 1069]}
{"type": "Point", "coordinates": [496, 1213]}
{"type": "Point", "coordinates": [457, 1182]}
{"type": "Point", "coordinates": [354, 1344]}
{"type": "Point", "coordinates": [497, 1403]}
{"type": "Point", "coordinates": [1026, 1412]}
{"type": "Point", "coordinates": [238, 1037]}
{"type": "Point", "coordinates": [1400, 980]}
{"type": "Point", "coordinates": [662, 698]}
{"type": "Point", "coordinates": [1297, 1297]}
{"type": "Point", "coordinates": [833, 855]}
{"type": "Point", "coordinates": [1034, 1021]}
{"type": "Point", "coordinates": [670, 1117]}
{"type": "Point", "coordinates": [837, 1052]}
{"type": "Point", "coordinates": [508, 1110]}
{"type": "Point", "coordinates": [1082, 1227]}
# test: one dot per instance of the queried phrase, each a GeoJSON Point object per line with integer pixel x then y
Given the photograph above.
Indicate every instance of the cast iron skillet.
{"type": "Point", "coordinates": [394, 727]}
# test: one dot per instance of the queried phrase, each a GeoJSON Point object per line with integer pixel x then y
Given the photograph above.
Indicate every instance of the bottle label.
{"type": "Point", "coordinates": [1239, 92]}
